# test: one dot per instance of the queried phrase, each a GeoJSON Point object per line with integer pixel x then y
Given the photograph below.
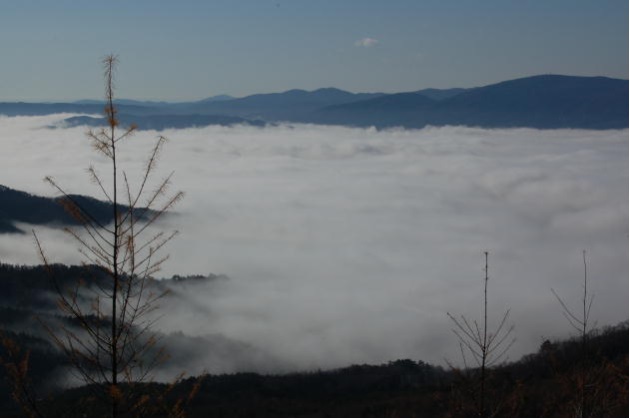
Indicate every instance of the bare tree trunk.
{"type": "Point", "coordinates": [582, 325]}
{"type": "Point", "coordinates": [585, 313]}
{"type": "Point", "coordinates": [110, 61]}
{"type": "Point", "coordinates": [484, 347]}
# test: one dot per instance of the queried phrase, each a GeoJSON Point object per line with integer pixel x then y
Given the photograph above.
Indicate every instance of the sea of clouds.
{"type": "Point", "coordinates": [347, 245]}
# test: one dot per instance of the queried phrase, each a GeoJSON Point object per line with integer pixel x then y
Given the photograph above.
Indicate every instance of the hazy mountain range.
{"type": "Point", "coordinates": [546, 101]}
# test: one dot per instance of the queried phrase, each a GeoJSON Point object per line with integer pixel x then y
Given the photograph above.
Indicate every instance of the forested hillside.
{"type": "Point", "coordinates": [541, 384]}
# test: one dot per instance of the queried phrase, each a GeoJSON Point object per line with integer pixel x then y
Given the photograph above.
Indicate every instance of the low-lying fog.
{"type": "Point", "coordinates": [350, 245]}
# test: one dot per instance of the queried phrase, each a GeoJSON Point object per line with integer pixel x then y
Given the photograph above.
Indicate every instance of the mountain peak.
{"type": "Point", "coordinates": [217, 98]}
{"type": "Point", "coordinates": [329, 90]}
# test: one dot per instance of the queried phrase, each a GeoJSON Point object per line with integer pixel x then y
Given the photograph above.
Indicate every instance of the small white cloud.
{"type": "Point", "coordinates": [366, 42]}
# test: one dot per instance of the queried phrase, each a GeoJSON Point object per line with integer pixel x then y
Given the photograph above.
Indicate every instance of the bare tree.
{"type": "Point", "coordinates": [115, 306]}
{"type": "Point", "coordinates": [581, 322]}
{"type": "Point", "coordinates": [486, 347]}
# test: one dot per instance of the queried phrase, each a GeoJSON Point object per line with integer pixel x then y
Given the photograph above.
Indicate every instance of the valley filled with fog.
{"type": "Point", "coordinates": [347, 245]}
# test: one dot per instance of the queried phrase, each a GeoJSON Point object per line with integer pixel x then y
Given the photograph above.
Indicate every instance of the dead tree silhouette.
{"type": "Point", "coordinates": [114, 343]}
{"type": "Point", "coordinates": [485, 346]}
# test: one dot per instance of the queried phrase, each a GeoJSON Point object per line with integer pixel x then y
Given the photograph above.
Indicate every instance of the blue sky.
{"type": "Point", "coordinates": [186, 50]}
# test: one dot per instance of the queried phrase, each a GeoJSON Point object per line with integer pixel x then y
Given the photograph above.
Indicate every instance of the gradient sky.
{"type": "Point", "coordinates": [188, 50]}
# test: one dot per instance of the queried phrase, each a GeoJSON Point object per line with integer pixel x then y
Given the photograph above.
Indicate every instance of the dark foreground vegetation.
{"type": "Point", "coordinates": [546, 383]}
{"type": "Point", "coordinates": [542, 384]}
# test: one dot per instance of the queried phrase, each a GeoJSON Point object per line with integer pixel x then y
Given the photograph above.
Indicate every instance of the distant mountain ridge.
{"type": "Point", "coordinates": [162, 122]}
{"type": "Point", "coordinates": [536, 102]}
{"type": "Point", "coordinates": [291, 105]}
{"type": "Point", "coordinates": [152, 103]}
{"type": "Point", "coordinates": [545, 102]}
